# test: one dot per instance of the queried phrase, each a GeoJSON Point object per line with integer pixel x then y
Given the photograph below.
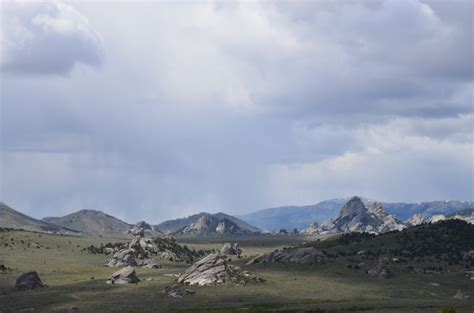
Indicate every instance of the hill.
{"type": "Point", "coordinates": [446, 241]}
{"type": "Point", "coordinates": [10, 218]}
{"type": "Point", "coordinates": [206, 223]}
{"type": "Point", "coordinates": [302, 216]}
{"type": "Point", "coordinates": [91, 222]}
{"type": "Point", "coordinates": [433, 248]}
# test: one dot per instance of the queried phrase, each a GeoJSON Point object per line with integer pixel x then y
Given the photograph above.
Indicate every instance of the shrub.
{"type": "Point", "coordinates": [447, 309]}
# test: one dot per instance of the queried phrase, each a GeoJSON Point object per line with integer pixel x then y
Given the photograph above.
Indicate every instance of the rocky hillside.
{"type": "Point", "coordinates": [447, 241]}
{"type": "Point", "coordinates": [205, 223]}
{"type": "Point", "coordinates": [355, 217]}
{"type": "Point", "coordinates": [300, 217]}
{"type": "Point", "coordinates": [10, 218]}
{"type": "Point", "coordinates": [446, 246]}
{"type": "Point", "coordinates": [91, 222]}
{"type": "Point", "coordinates": [464, 215]}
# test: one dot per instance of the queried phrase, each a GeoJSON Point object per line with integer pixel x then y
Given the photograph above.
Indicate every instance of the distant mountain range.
{"type": "Point", "coordinates": [10, 218]}
{"type": "Point", "coordinates": [91, 222]}
{"type": "Point", "coordinates": [301, 217]}
{"type": "Point", "coordinates": [98, 223]}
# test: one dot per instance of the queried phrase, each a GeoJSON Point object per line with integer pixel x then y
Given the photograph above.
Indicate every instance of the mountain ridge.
{"type": "Point", "coordinates": [91, 222]}
{"type": "Point", "coordinates": [11, 218]}
{"type": "Point", "coordinates": [301, 217]}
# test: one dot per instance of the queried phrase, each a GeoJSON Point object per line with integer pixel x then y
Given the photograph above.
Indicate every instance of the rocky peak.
{"type": "Point", "coordinates": [353, 207]}
{"type": "Point", "coordinates": [355, 217]}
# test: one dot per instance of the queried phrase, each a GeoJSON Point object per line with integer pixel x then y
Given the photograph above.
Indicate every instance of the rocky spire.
{"type": "Point", "coordinates": [353, 207]}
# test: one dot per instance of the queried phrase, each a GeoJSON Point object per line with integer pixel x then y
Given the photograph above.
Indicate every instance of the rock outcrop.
{"type": "Point", "coordinates": [465, 215]}
{"type": "Point", "coordinates": [214, 270]}
{"type": "Point", "coordinates": [126, 275]}
{"type": "Point", "coordinates": [122, 258]}
{"type": "Point", "coordinates": [150, 263]}
{"type": "Point", "coordinates": [208, 224]}
{"type": "Point", "coordinates": [231, 250]}
{"type": "Point", "coordinates": [312, 229]}
{"type": "Point", "coordinates": [415, 220]}
{"type": "Point", "coordinates": [27, 281]}
{"type": "Point", "coordinates": [147, 229]}
{"type": "Point", "coordinates": [305, 256]}
{"type": "Point", "coordinates": [355, 217]}
{"type": "Point", "coordinates": [437, 218]}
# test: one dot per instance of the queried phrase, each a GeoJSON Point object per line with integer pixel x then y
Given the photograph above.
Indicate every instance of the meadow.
{"type": "Point", "coordinates": [76, 281]}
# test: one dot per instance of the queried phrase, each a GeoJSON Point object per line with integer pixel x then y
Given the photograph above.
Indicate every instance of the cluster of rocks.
{"type": "Point", "coordinates": [141, 248]}
{"type": "Point", "coordinates": [418, 219]}
{"type": "Point", "coordinates": [145, 227]}
{"type": "Point", "coordinates": [214, 270]}
{"type": "Point", "coordinates": [304, 256]}
{"type": "Point", "coordinates": [415, 220]}
{"type": "Point", "coordinates": [229, 249]}
{"type": "Point", "coordinates": [355, 217]}
{"type": "Point", "coordinates": [208, 224]}
{"type": "Point", "coordinates": [125, 275]}
{"type": "Point", "coordinates": [122, 258]}
{"type": "Point", "coordinates": [150, 263]}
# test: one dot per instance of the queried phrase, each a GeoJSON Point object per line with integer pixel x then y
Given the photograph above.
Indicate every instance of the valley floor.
{"type": "Point", "coordinates": [77, 278]}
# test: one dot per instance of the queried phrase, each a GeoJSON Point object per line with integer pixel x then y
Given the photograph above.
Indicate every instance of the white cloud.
{"type": "Point", "coordinates": [46, 38]}
{"type": "Point", "coordinates": [403, 160]}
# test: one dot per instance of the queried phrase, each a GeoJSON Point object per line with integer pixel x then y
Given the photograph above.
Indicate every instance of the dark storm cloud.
{"type": "Point", "coordinates": [240, 106]}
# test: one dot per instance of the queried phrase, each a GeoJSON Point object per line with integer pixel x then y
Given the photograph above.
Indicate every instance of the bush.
{"type": "Point", "coordinates": [447, 309]}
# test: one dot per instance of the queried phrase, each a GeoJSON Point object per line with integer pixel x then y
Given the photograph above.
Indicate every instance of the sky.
{"type": "Point", "coordinates": [154, 110]}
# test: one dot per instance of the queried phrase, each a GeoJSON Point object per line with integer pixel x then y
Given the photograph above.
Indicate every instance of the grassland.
{"type": "Point", "coordinates": [76, 278]}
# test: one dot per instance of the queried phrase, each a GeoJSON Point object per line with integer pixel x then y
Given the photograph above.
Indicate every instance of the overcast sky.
{"type": "Point", "coordinates": [156, 110]}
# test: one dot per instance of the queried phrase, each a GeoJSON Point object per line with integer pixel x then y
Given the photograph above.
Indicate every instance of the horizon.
{"type": "Point", "coordinates": [157, 222]}
{"type": "Point", "coordinates": [168, 109]}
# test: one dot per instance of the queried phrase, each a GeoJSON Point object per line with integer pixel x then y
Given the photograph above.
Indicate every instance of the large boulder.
{"type": "Point", "coordinates": [169, 255]}
{"type": "Point", "coordinates": [126, 275]}
{"type": "Point", "coordinates": [122, 258]}
{"type": "Point", "coordinates": [29, 281]}
{"type": "Point", "coordinates": [150, 263]}
{"type": "Point", "coordinates": [214, 270]}
{"type": "Point", "coordinates": [305, 256]}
